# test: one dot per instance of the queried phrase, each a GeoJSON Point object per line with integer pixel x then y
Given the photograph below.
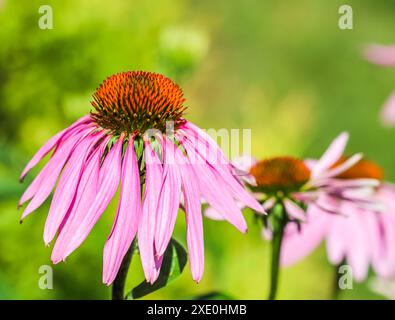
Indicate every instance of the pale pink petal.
{"type": "Point", "coordinates": [336, 241]}
{"type": "Point", "coordinates": [80, 224]}
{"type": "Point", "coordinates": [349, 183]}
{"type": "Point", "coordinates": [146, 229]}
{"type": "Point", "coordinates": [67, 186]}
{"type": "Point", "coordinates": [269, 203]}
{"type": "Point", "coordinates": [194, 222]}
{"type": "Point", "coordinates": [388, 112]}
{"type": "Point", "coordinates": [50, 144]}
{"type": "Point", "coordinates": [331, 155]}
{"type": "Point", "coordinates": [380, 54]}
{"type": "Point", "coordinates": [294, 211]}
{"type": "Point", "coordinates": [169, 198]}
{"type": "Point", "coordinates": [350, 162]}
{"type": "Point", "coordinates": [243, 163]}
{"type": "Point", "coordinates": [384, 260]}
{"type": "Point", "coordinates": [127, 219]}
{"type": "Point", "coordinates": [213, 214]}
{"type": "Point", "coordinates": [357, 250]}
{"type": "Point", "coordinates": [298, 243]}
{"type": "Point", "coordinates": [241, 168]}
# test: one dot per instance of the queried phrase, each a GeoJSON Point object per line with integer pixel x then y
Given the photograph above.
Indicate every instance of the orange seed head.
{"type": "Point", "coordinates": [136, 101]}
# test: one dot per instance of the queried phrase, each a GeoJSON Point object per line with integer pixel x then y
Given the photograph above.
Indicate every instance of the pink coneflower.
{"type": "Point", "coordinates": [384, 56]}
{"type": "Point", "coordinates": [357, 234]}
{"type": "Point", "coordinates": [116, 144]}
{"type": "Point", "coordinates": [287, 186]}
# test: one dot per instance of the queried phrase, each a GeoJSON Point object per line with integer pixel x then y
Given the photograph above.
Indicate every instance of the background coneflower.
{"type": "Point", "coordinates": [136, 137]}
{"type": "Point", "coordinates": [287, 187]}
{"type": "Point", "coordinates": [360, 233]}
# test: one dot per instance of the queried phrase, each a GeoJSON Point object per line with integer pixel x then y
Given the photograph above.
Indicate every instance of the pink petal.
{"type": "Point", "coordinates": [214, 191]}
{"type": "Point", "coordinates": [380, 54]}
{"type": "Point", "coordinates": [331, 155]}
{"type": "Point", "coordinates": [213, 214]}
{"type": "Point", "coordinates": [297, 244]}
{"type": "Point", "coordinates": [169, 199]}
{"type": "Point", "coordinates": [127, 219]}
{"type": "Point", "coordinates": [50, 144]}
{"type": "Point", "coordinates": [357, 246]}
{"type": "Point", "coordinates": [43, 184]}
{"type": "Point", "coordinates": [336, 242]}
{"type": "Point", "coordinates": [350, 162]}
{"type": "Point", "coordinates": [80, 223]}
{"type": "Point", "coordinates": [388, 112]}
{"type": "Point", "coordinates": [244, 163]}
{"type": "Point", "coordinates": [384, 259]}
{"type": "Point", "coordinates": [67, 186]}
{"type": "Point", "coordinates": [146, 229]}
{"type": "Point", "coordinates": [222, 166]}
{"type": "Point", "coordinates": [294, 211]}
{"type": "Point", "coordinates": [193, 219]}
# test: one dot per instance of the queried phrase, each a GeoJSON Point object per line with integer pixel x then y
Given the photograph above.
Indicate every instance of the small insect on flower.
{"type": "Point", "coordinates": [361, 232]}
{"type": "Point", "coordinates": [136, 136]}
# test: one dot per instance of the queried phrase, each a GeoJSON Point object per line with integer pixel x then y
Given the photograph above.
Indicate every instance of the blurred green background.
{"type": "Point", "coordinates": [282, 68]}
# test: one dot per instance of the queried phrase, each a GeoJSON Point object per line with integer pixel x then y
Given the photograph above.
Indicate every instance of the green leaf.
{"type": "Point", "coordinates": [174, 261]}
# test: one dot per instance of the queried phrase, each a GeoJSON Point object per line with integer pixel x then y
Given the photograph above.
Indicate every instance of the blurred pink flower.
{"type": "Point", "coordinates": [110, 147]}
{"type": "Point", "coordinates": [302, 183]}
{"type": "Point", "coordinates": [359, 229]}
{"type": "Point", "coordinates": [385, 56]}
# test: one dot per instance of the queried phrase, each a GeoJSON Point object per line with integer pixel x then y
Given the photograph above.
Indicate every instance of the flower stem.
{"type": "Point", "coordinates": [118, 286]}
{"type": "Point", "coordinates": [278, 233]}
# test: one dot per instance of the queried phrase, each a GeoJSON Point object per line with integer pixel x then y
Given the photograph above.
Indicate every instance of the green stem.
{"type": "Point", "coordinates": [118, 287]}
{"type": "Point", "coordinates": [276, 250]}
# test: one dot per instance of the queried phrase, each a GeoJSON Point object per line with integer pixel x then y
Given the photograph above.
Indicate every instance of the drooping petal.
{"type": "Point", "coordinates": [297, 244]}
{"type": "Point", "coordinates": [384, 258]}
{"type": "Point", "coordinates": [194, 222]}
{"type": "Point", "coordinates": [43, 184]}
{"type": "Point", "coordinates": [67, 186]}
{"type": "Point", "coordinates": [294, 211]}
{"type": "Point", "coordinates": [213, 214]}
{"type": "Point", "coordinates": [50, 144]}
{"type": "Point", "coordinates": [169, 198]}
{"type": "Point", "coordinates": [388, 112]}
{"type": "Point", "coordinates": [215, 192]}
{"type": "Point", "coordinates": [80, 223]}
{"type": "Point", "coordinates": [336, 240]}
{"type": "Point", "coordinates": [331, 155]}
{"type": "Point", "coordinates": [357, 252]}
{"type": "Point", "coordinates": [127, 218]}
{"type": "Point", "coordinates": [146, 229]}
{"type": "Point", "coordinates": [86, 193]}
{"type": "Point", "coordinates": [218, 162]}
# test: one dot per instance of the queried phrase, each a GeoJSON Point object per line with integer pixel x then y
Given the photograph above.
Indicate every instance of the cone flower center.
{"type": "Point", "coordinates": [280, 174]}
{"type": "Point", "coordinates": [362, 169]}
{"type": "Point", "coordinates": [135, 101]}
